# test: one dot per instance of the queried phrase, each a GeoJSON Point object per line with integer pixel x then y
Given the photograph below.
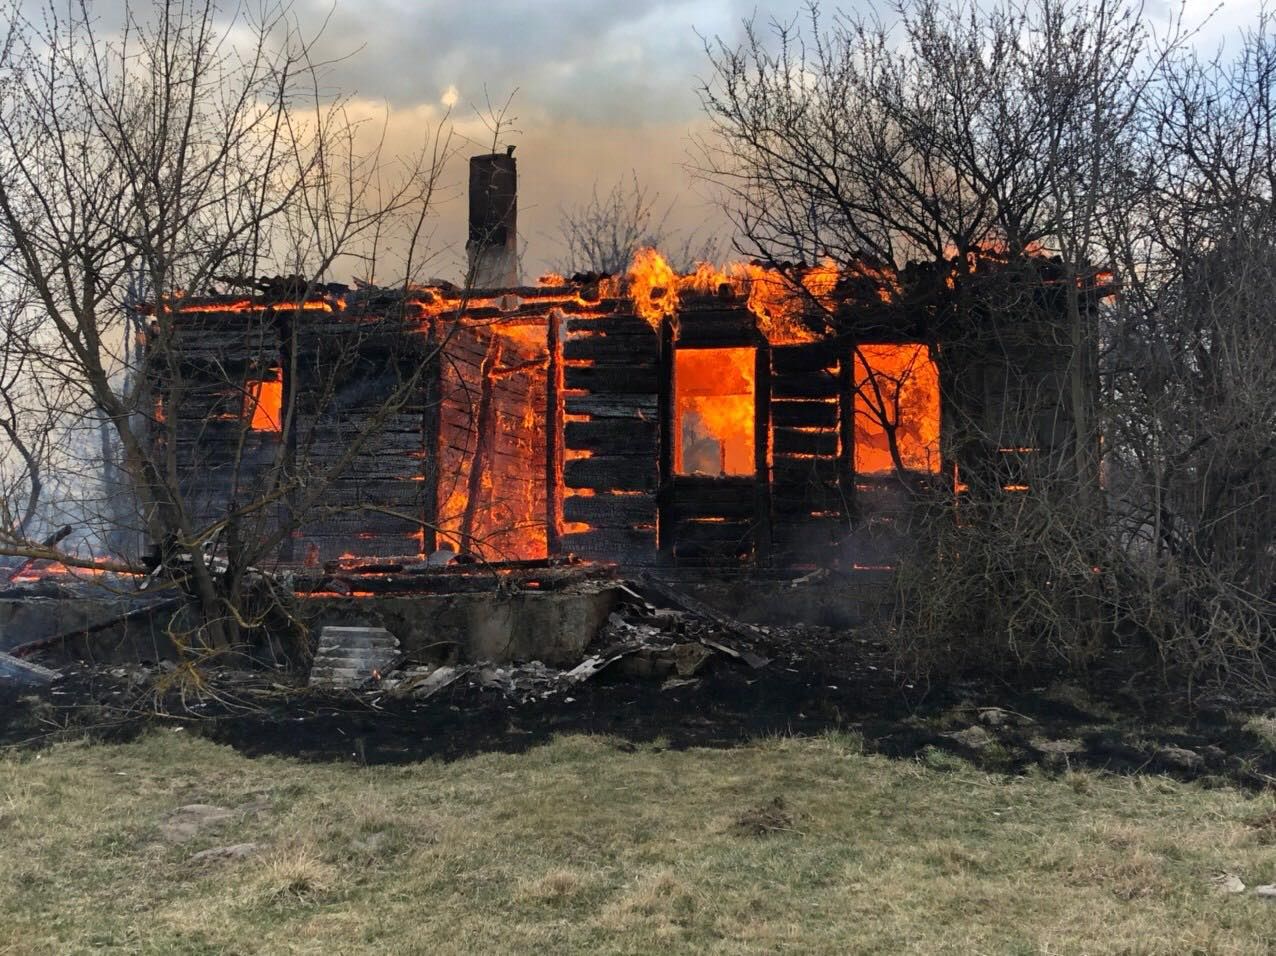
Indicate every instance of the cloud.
{"type": "Point", "coordinates": [596, 61]}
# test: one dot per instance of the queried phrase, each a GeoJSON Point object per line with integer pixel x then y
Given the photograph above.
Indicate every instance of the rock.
{"type": "Point", "coordinates": [219, 854]}
{"type": "Point", "coordinates": [689, 658]}
{"type": "Point", "coordinates": [973, 738]}
{"type": "Point", "coordinates": [1180, 758]}
{"type": "Point", "coordinates": [185, 823]}
{"type": "Point", "coordinates": [1061, 747]}
{"type": "Point", "coordinates": [1228, 883]}
{"type": "Point", "coordinates": [1267, 892]}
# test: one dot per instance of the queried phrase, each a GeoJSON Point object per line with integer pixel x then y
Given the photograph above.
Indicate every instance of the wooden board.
{"type": "Point", "coordinates": [604, 380]}
{"type": "Point", "coordinates": [807, 385]}
{"type": "Point", "coordinates": [613, 436]}
{"type": "Point", "coordinates": [613, 472]}
{"type": "Point", "coordinates": [804, 414]}
{"type": "Point", "coordinates": [612, 511]}
{"type": "Point", "coordinates": [612, 406]}
{"type": "Point", "coordinates": [787, 441]}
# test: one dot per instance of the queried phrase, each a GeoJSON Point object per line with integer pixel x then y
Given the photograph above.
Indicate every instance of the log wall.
{"type": "Point", "coordinates": [220, 463]}
{"type": "Point", "coordinates": [359, 437]}
{"type": "Point", "coordinates": [611, 435]}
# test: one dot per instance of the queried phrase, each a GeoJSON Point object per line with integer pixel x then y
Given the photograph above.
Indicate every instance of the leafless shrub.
{"type": "Point", "coordinates": [1067, 129]}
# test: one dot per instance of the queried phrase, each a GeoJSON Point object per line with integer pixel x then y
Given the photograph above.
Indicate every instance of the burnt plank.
{"type": "Point", "coordinates": [610, 511]}
{"type": "Point", "coordinates": [801, 442]}
{"type": "Point", "coordinates": [620, 324]}
{"type": "Point", "coordinates": [807, 385]}
{"type": "Point", "coordinates": [804, 414]}
{"type": "Point", "coordinates": [611, 406]}
{"type": "Point", "coordinates": [730, 536]}
{"type": "Point", "coordinates": [605, 348]}
{"type": "Point", "coordinates": [613, 544]}
{"type": "Point", "coordinates": [691, 510]}
{"type": "Point", "coordinates": [605, 380]}
{"type": "Point", "coordinates": [613, 436]}
{"type": "Point", "coordinates": [612, 472]}
{"type": "Point", "coordinates": [797, 360]}
{"type": "Point", "coordinates": [367, 523]}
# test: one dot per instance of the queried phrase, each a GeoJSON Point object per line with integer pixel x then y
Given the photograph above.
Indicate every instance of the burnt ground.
{"type": "Point", "coordinates": [816, 683]}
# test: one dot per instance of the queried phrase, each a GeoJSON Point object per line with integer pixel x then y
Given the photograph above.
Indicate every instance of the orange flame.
{"type": "Point", "coordinates": [714, 398]}
{"type": "Point", "coordinates": [263, 403]}
{"type": "Point", "coordinates": [653, 286]}
{"type": "Point", "coordinates": [896, 386]}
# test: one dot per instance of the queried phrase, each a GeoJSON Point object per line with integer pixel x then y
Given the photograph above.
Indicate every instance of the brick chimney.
{"type": "Point", "coordinates": [493, 240]}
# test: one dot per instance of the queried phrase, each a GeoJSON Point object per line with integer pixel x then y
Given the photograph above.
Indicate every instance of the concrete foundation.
{"type": "Point", "coordinates": [553, 627]}
{"type": "Point", "coordinates": [142, 637]}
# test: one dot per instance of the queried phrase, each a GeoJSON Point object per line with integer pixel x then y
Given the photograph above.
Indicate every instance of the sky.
{"type": "Point", "coordinates": [602, 90]}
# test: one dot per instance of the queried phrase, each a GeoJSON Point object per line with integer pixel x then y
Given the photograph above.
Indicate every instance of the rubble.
{"type": "Point", "coordinates": [648, 641]}
{"type": "Point", "coordinates": [16, 671]}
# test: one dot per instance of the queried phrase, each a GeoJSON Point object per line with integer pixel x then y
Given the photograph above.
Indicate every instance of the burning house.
{"type": "Point", "coordinates": [739, 418]}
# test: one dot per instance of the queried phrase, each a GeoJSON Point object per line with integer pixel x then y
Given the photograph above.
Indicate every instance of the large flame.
{"type": "Point", "coordinates": [653, 286]}
{"type": "Point", "coordinates": [714, 398]}
{"type": "Point", "coordinates": [896, 386]}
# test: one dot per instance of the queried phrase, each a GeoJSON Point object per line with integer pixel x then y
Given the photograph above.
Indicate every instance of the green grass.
{"type": "Point", "coordinates": [583, 847]}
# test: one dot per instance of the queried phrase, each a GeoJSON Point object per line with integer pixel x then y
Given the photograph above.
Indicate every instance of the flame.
{"type": "Point", "coordinates": [257, 305]}
{"type": "Point", "coordinates": [653, 286]}
{"type": "Point", "coordinates": [263, 403]}
{"type": "Point", "coordinates": [907, 380]}
{"type": "Point", "coordinates": [714, 399]}
{"type": "Point", "coordinates": [39, 569]}
{"type": "Point", "coordinates": [776, 305]}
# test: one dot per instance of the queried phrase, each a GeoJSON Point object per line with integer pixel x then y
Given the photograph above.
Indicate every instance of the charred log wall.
{"type": "Point", "coordinates": [358, 442]}
{"type": "Point", "coordinates": [201, 379]}
{"type": "Point", "coordinates": [611, 363]}
{"type": "Point", "coordinates": [492, 490]}
{"type": "Point", "coordinates": [812, 439]}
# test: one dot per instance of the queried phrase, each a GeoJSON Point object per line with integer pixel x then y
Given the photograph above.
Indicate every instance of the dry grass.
{"type": "Point", "coordinates": [581, 847]}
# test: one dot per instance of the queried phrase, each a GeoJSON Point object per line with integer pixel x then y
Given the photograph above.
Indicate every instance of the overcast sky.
{"type": "Point", "coordinates": [604, 87]}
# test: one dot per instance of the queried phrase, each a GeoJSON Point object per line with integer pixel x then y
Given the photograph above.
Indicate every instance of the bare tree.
{"type": "Point", "coordinates": [1010, 150]}
{"type": "Point", "coordinates": [181, 149]}
{"type": "Point", "coordinates": [602, 234]}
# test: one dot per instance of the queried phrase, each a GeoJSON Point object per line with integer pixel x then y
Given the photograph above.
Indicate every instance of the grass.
{"type": "Point", "coordinates": [585, 846]}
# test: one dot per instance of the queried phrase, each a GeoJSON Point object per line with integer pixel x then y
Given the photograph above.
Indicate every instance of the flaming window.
{"type": "Point", "coordinates": [263, 402]}
{"type": "Point", "coordinates": [896, 409]}
{"type": "Point", "coordinates": [714, 411]}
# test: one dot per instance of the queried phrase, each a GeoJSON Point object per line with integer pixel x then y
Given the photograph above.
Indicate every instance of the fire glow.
{"type": "Point", "coordinates": [896, 390]}
{"type": "Point", "coordinates": [715, 411]}
{"type": "Point", "coordinates": [263, 403]}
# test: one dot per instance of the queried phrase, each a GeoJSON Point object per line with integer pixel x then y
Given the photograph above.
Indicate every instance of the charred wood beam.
{"type": "Point", "coordinates": [685, 602]}
{"type": "Point", "coordinates": [553, 433]}
{"type": "Point", "coordinates": [49, 542]}
{"type": "Point", "coordinates": [668, 439]}
{"type": "Point", "coordinates": [762, 455]}
{"type": "Point", "coordinates": [483, 426]}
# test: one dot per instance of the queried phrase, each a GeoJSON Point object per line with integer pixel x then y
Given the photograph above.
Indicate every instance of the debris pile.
{"type": "Point", "coordinates": [644, 637]}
